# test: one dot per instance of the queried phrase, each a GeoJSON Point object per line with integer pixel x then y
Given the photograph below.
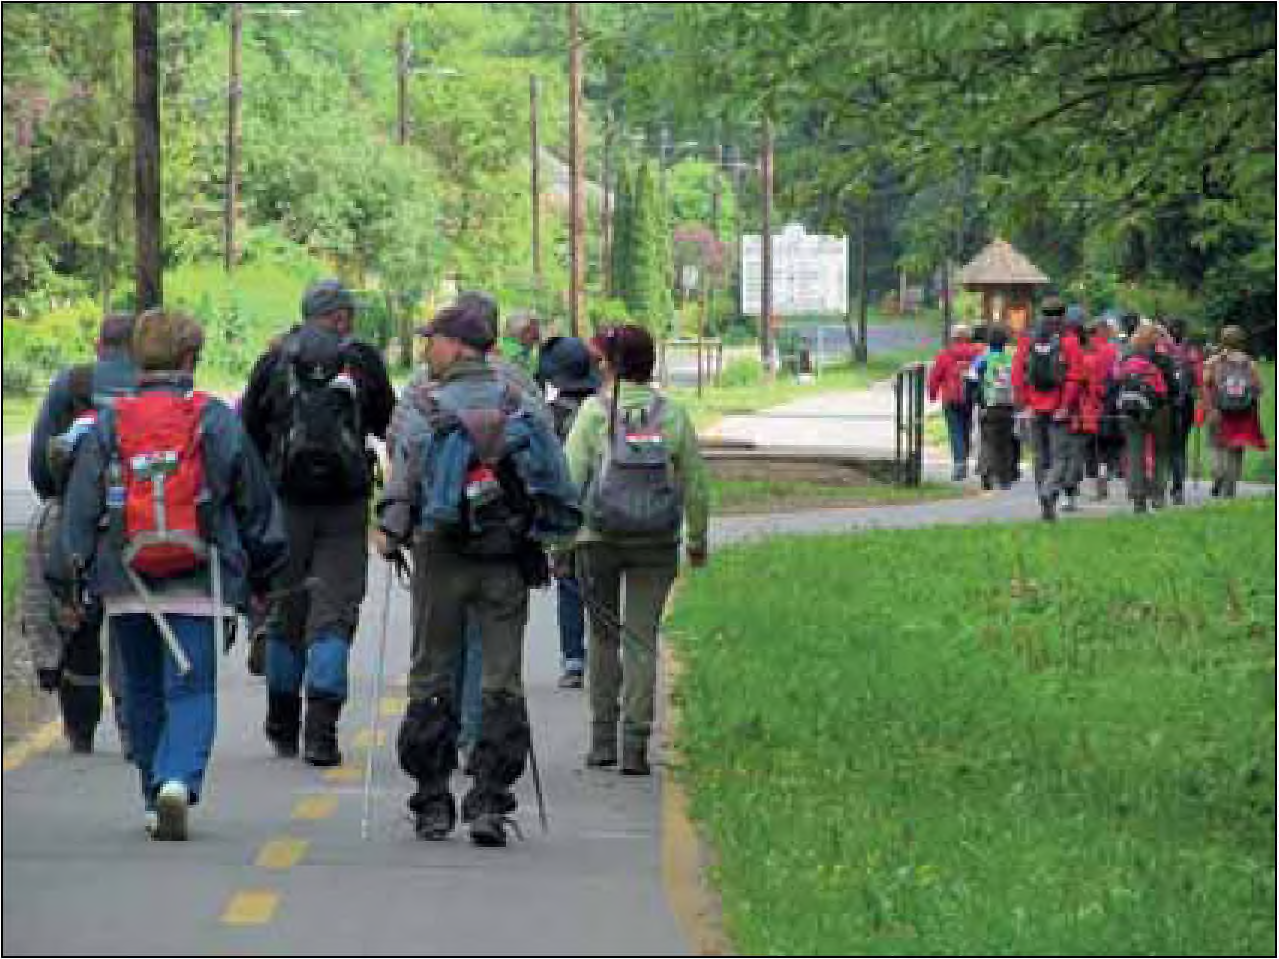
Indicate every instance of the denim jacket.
{"type": "Point", "coordinates": [245, 517]}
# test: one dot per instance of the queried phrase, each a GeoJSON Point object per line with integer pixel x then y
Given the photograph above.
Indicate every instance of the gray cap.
{"type": "Point", "coordinates": [326, 296]}
{"type": "Point", "coordinates": [471, 320]}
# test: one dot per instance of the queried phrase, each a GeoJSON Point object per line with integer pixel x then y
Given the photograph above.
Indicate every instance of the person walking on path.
{"type": "Point", "coordinates": [946, 381]}
{"type": "Point", "coordinates": [70, 661]}
{"type": "Point", "coordinates": [479, 487]}
{"type": "Point", "coordinates": [1045, 362]}
{"type": "Point", "coordinates": [1187, 363]}
{"type": "Point", "coordinates": [994, 375]}
{"type": "Point", "coordinates": [633, 452]}
{"type": "Point", "coordinates": [1232, 393]}
{"type": "Point", "coordinates": [1103, 445]}
{"type": "Point", "coordinates": [567, 367]}
{"type": "Point", "coordinates": [170, 517]}
{"type": "Point", "coordinates": [1143, 401]}
{"type": "Point", "coordinates": [312, 403]}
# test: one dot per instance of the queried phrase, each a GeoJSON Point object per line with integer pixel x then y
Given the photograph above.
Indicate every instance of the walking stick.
{"type": "Point", "coordinates": [375, 707]}
{"type": "Point", "coordinates": [537, 783]}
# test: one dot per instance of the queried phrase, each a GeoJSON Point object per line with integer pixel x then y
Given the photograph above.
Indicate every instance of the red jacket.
{"type": "Point", "coordinates": [1064, 397]}
{"type": "Point", "coordinates": [1097, 366]}
{"type": "Point", "coordinates": [947, 374]}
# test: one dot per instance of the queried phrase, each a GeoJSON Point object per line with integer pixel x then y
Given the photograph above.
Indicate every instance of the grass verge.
{"type": "Point", "coordinates": [976, 742]}
{"type": "Point", "coordinates": [15, 549]}
{"type": "Point", "coordinates": [759, 496]}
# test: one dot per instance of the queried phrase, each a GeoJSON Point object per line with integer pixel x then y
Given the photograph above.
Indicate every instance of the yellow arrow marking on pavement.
{"type": "Point", "coordinates": [364, 738]}
{"type": "Point", "coordinates": [344, 774]}
{"type": "Point", "coordinates": [252, 907]}
{"type": "Point", "coordinates": [315, 807]}
{"type": "Point", "coordinates": [282, 853]}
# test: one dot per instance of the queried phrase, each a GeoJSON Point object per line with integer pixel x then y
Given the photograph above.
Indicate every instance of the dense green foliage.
{"type": "Point", "coordinates": [1119, 145]}
{"type": "Point", "coordinates": [970, 742]}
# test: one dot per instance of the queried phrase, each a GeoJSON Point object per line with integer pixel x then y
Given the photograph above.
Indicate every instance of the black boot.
{"type": "Point", "coordinates": [283, 723]}
{"type": "Point", "coordinates": [434, 812]}
{"type": "Point", "coordinates": [635, 756]}
{"type": "Point", "coordinates": [320, 731]}
{"type": "Point", "coordinates": [603, 751]}
{"type": "Point", "coordinates": [499, 759]}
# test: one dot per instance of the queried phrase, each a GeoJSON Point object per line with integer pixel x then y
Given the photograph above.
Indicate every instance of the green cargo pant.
{"type": "Point", "coordinates": [617, 662]}
{"type": "Point", "coordinates": [447, 587]}
{"type": "Point", "coordinates": [1147, 481]}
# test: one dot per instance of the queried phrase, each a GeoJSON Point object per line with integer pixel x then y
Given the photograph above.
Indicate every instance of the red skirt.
{"type": "Point", "coordinates": [1240, 431]}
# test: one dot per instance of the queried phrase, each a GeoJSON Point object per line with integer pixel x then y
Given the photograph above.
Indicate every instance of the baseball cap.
{"type": "Point", "coordinates": [472, 320]}
{"type": "Point", "coordinates": [326, 296]}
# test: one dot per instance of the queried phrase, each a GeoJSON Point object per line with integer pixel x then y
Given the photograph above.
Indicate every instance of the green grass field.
{"type": "Point", "coordinates": [758, 496]}
{"type": "Point", "coordinates": [1009, 740]}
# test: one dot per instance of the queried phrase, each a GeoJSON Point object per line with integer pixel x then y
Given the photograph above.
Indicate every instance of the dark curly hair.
{"type": "Point", "coordinates": [628, 349]}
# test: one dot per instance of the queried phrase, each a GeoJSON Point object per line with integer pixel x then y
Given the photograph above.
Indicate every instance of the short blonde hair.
{"type": "Point", "coordinates": [1145, 335]}
{"type": "Point", "coordinates": [162, 340]}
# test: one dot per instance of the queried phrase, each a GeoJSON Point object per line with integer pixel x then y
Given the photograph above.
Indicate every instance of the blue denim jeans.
{"type": "Point", "coordinates": [572, 620]}
{"type": "Point", "coordinates": [959, 427]}
{"type": "Point", "coordinates": [467, 689]}
{"type": "Point", "coordinates": [171, 717]}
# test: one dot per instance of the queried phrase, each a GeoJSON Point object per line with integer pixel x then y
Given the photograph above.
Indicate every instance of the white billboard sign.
{"type": "Point", "coordinates": [809, 273]}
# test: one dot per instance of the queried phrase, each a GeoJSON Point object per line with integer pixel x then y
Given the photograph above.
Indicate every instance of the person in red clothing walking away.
{"type": "Point", "coordinates": [1143, 400]}
{"type": "Point", "coordinates": [1105, 436]}
{"type": "Point", "coordinates": [1232, 395]}
{"type": "Point", "coordinates": [1186, 388]}
{"type": "Point", "coordinates": [1045, 362]}
{"type": "Point", "coordinates": [946, 380]}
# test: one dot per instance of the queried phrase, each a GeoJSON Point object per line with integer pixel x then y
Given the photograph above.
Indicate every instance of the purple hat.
{"type": "Point", "coordinates": [472, 320]}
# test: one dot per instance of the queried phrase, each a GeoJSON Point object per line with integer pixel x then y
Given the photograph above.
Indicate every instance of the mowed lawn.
{"type": "Point", "coordinates": [1009, 740]}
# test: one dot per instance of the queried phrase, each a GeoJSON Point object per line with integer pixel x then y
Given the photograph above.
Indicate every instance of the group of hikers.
{"type": "Point", "coordinates": [1100, 399]}
{"type": "Point", "coordinates": [506, 463]}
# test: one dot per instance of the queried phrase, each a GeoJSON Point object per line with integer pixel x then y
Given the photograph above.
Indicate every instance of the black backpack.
{"type": "Point", "coordinates": [1045, 370]}
{"type": "Point", "coordinates": [319, 455]}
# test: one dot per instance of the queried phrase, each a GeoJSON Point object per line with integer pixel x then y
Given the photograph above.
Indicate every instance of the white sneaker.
{"type": "Point", "coordinates": [171, 812]}
{"type": "Point", "coordinates": [150, 821]}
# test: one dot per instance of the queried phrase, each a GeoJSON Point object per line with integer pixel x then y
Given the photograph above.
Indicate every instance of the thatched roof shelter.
{"type": "Point", "coordinates": [1007, 282]}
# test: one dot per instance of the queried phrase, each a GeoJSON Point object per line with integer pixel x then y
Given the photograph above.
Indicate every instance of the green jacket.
{"type": "Point", "coordinates": [585, 449]}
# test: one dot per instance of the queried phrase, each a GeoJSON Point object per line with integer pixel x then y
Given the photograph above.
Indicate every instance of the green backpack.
{"type": "Point", "coordinates": [997, 380]}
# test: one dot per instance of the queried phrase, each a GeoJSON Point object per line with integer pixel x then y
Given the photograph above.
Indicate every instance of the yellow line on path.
{"type": "Point", "coordinates": [251, 907]}
{"type": "Point", "coordinates": [283, 853]}
{"type": "Point", "coordinates": [394, 706]}
{"type": "Point", "coordinates": [37, 741]}
{"type": "Point", "coordinates": [364, 738]}
{"type": "Point", "coordinates": [315, 807]}
{"type": "Point", "coordinates": [343, 774]}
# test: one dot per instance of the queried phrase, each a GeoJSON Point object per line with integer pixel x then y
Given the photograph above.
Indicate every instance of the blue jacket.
{"type": "Point", "coordinates": [246, 519]}
{"type": "Point", "coordinates": [113, 375]}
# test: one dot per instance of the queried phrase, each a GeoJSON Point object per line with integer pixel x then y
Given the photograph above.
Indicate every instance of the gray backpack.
{"type": "Point", "coordinates": [635, 491]}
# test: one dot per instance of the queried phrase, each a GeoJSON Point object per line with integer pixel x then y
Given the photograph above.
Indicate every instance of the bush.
{"type": "Point", "coordinates": [747, 371]}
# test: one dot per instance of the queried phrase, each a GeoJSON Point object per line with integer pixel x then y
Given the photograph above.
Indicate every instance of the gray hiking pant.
{"type": "Point", "coordinates": [1053, 451]}
{"type": "Point", "coordinates": [1147, 451]}
{"type": "Point", "coordinates": [328, 546]}
{"type": "Point", "coordinates": [620, 662]}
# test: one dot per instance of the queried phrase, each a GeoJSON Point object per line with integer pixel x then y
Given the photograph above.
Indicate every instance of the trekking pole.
{"type": "Point", "coordinates": [537, 784]}
{"type": "Point", "coordinates": [375, 708]}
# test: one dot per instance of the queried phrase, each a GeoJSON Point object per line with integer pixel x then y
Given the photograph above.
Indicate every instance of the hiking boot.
{"type": "Point", "coordinates": [986, 481]}
{"type": "Point", "coordinates": [81, 743]}
{"type": "Point", "coordinates": [320, 733]}
{"type": "Point", "coordinates": [603, 751]}
{"type": "Point", "coordinates": [958, 473]}
{"type": "Point", "coordinates": [171, 804]}
{"type": "Point", "coordinates": [1139, 506]}
{"type": "Point", "coordinates": [1072, 503]}
{"type": "Point", "coordinates": [1216, 488]}
{"type": "Point", "coordinates": [283, 723]}
{"type": "Point", "coordinates": [572, 679]}
{"type": "Point", "coordinates": [1048, 508]}
{"type": "Point", "coordinates": [489, 829]}
{"type": "Point", "coordinates": [635, 758]}
{"type": "Point", "coordinates": [434, 817]}
{"type": "Point", "coordinates": [1179, 497]}
{"type": "Point", "coordinates": [1102, 489]}
{"type": "Point", "coordinates": [477, 802]}
{"type": "Point", "coordinates": [1158, 501]}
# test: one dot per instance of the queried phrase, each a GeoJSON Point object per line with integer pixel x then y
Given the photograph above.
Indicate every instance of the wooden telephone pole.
{"type": "Point", "coordinates": [233, 95]}
{"type": "Point", "coordinates": [766, 248]}
{"type": "Point", "coordinates": [535, 188]}
{"type": "Point", "coordinates": [146, 155]}
{"type": "Point", "coordinates": [577, 171]}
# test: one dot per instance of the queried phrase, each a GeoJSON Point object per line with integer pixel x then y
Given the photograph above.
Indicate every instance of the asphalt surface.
{"type": "Point", "coordinates": [82, 878]}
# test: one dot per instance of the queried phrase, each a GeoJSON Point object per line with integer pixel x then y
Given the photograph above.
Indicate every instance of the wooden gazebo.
{"type": "Point", "coordinates": [1007, 282]}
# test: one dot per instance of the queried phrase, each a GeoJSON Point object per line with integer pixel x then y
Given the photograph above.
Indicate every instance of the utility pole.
{"type": "Point", "coordinates": [606, 207]}
{"type": "Point", "coordinates": [713, 278]}
{"type": "Point", "coordinates": [766, 248]}
{"type": "Point", "coordinates": [535, 188]}
{"type": "Point", "coordinates": [233, 95]}
{"type": "Point", "coordinates": [402, 53]}
{"type": "Point", "coordinates": [577, 150]}
{"type": "Point", "coordinates": [146, 155]}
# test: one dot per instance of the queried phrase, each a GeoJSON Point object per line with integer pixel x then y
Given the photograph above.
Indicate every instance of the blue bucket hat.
{"type": "Point", "coordinates": [567, 364]}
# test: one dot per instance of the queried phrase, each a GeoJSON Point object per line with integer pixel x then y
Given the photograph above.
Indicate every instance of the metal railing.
{"type": "Point", "coordinates": [908, 393]}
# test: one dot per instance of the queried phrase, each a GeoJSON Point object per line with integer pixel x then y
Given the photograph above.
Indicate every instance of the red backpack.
{"type": "Point", "coordinates": [160, 465]}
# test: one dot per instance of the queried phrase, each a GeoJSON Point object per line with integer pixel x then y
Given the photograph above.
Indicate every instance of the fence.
{"type": "Point", "coordinates": [908, 393]}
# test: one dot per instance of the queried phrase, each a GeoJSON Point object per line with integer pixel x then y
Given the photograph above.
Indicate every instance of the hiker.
{"type": "Point", "coordinates": [994, 375]}
{"type": "Point", "coordinates": [520, 343]}
{"type": "Point", "coordinates": [313, 401]}
{"type": "Point", "coordinates": [633, 451]}
{"type": "Point", "coordinates": [1044, 363]}
{"type": "Point", "coordinates": [1232, 394]}
{"type": "Point", "coordinates": [1099, 420]}
{"type": "Point", "coordinates": [478, 487]}
{"type": "Point", "coordinates": [1186, 388]}
{"type": "Point", "coordinates": [1074, 339]}
{"type": "Point", "coordinates": [169, 518]}
{"type": "Point", "coordinates": [69, 662]}
{"type": "Point", "coordinates": [1143, 401]}
{"type": "Point", "coordinates": [946, 380]}
{"type": "Point", "coordinates": [567, 366]}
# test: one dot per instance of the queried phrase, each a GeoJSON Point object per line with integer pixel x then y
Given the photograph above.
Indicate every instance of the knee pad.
{"type": "Point", "coordinates": [285, 664]}
{"type": "Point", "coordinates": [427, 741]}
{"type": "Point", "coordinates": [326, 662]}
{"type": "Point", "coordinates": [504, 739]}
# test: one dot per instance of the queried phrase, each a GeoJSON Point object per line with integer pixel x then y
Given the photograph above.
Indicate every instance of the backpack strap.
{"type": "Point", "coordinates": [80, 385]}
